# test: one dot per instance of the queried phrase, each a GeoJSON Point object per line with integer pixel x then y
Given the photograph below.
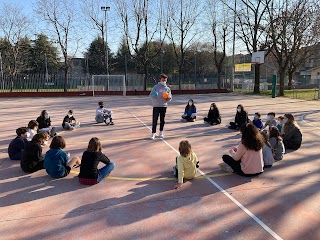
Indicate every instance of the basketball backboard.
{"type": "Point", "coordinates": [257, 57]}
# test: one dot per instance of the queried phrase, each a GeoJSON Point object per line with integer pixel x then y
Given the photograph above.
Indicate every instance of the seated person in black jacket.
{"type": "Point", "coordinates": [213, 117]}
{"type": "Point", "coordinates": [240, 119]}
{"type": "Point", "coordinates": [32, 159]}
{"type": "Point", "coordinates": [45, 124]}
{"type": "Point", "coordinates": [291, 135]}
{"type": "Point", "coordinates": [16, 146]}
{"type": "Point", "coordinates": [69, 122]}
{"type": "Point", "coordinates": [89, 172]}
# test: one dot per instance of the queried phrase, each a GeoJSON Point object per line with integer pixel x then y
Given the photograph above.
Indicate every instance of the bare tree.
{"type": "Point", "coordinates": [181, 18]}
{"type": "Point", "coordinates": [141, 23]}
{"type": "Point", "coordinates": [293, 27]}
{"type": "Point", "coordinates": [60, 14]}
{"type": "Point", "coordinates": [251, 24]}
{"type": "Point", "coordinates": [93, 16]}
{"type": "Point", "coordinates": [14, 26]}
{"type": "Point", "coordinates": [219, 28]}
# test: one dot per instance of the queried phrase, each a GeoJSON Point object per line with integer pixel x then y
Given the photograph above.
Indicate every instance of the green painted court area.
{"type": "Point", "coordinates": [137, 201]}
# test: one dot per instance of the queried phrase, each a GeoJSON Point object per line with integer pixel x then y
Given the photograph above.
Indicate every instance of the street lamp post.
{"type": "Point", "coordinates": [105, 9]}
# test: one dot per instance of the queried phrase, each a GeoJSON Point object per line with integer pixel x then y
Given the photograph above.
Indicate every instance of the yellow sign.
{"type": "Point", "coordinates": [243, 67]}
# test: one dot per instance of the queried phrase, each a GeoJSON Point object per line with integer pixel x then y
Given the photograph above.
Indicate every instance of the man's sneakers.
{"type": "Point", "coordinates": [161, 134]}
{"type": "Point", "coordinates": [111, 123]}
{"type": "Point", "coordinates": [153, 135]}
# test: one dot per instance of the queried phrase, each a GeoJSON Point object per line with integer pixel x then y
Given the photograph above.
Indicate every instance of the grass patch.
{"type": "Point", "coordinates": [303, 94]}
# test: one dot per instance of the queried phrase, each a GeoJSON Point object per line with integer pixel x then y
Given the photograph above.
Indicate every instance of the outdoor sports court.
{"type": "Point", "coordinates": [137, 201]}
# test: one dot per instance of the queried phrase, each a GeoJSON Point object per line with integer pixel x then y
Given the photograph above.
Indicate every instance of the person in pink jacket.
{"type": "Point", "coordinates": [246, 159]}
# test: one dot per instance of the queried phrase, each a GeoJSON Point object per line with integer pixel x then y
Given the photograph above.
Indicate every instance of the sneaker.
{"type": "Point", "coordinates": [107, 123]}
{"type": "Point", "coordinates": [111, 123]}
{"type": "Point", "coordinates": [161, 134]}
{"type": "Point", "coordinates": [153, 135]}
{"type": "Point", "coordinates": [226, 168]}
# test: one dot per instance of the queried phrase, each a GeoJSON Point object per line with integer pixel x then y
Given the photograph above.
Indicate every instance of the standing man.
{"type": "Point", "coordinates": [160, 96]}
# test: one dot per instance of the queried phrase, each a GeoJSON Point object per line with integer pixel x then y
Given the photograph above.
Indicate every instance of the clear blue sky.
{"type": "Point", "coordinates": [114, 31]}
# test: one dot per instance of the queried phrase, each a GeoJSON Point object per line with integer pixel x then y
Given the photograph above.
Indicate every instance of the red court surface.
{"type": "Point", "coordinates": [137, 201]}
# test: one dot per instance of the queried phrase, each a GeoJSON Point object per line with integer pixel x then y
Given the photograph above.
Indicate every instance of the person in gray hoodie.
{"type": "Point", "coordinates": [160, 96]}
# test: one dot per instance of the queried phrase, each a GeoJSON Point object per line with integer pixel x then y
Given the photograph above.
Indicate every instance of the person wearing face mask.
{"type": "Point", "coordinates": [33, 127]}
{"type": "Point", "coordinates": [103, 115]}
{"type": "Point", "coordinates": [32, 158]}
{"type": "Point", "coordinates": [240, 119]}
{"type": "Point", "coordinates": [257, 120]}
{"type": "Point", "coordinates": [45, 124]}
{"type": "Point", "coordinates": [160, 95]}
{"type": "Point", "coordinates": [69, 122]}
{"type": "Point", "coordinates": [213, 117]}
{"type": "Point", "coordinates": [190, 112]}
{"type": "Point", "coordinates": [16, 146]}
{"type": "Point", "coordinates": [292, 136]}
{"type": "Point", "coordinates": [271, 122]}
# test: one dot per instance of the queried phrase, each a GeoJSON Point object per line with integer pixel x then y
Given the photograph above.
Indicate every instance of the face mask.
{"type": "Point", "coordinates": [163, 83]}
{"type": "Point", "coordinates": [27, 135]}
{"type": "Point", "coordinates": [285, 121]}
{"type": "Point", "coordinates": [211, 108]}
{"type": "Point", "coordinates": [239, 110]}
{"type": "Point", "coordinates": [268, 118]}
{"type": "Point", "coordinates": [190, 103]}
{"type": "Point", "coordinates": [101, 106]}
{"type": "Point", "coordinates": [69, 115]}
{"type": "Point", "coordinates": [46, 116]}
{"type": "Point", "coordinates": [255, 118]}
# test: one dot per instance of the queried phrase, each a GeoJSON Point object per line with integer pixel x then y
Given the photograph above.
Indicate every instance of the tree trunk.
{"type": "Point", "coordinates": [219, 78]}
{"type": "Point", "coordinates": [290, 76]}
{"type": "Point", "coordinates": [282, 75]}
{"type": "Point", "coordinates": [65, 79]}
{"type": "Point", "coordinates": [256, 78]}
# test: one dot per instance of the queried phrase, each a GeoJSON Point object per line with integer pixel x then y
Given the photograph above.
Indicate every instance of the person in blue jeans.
{"type": "Point", "coordinates": [56, 161]}
{"type": "Point", "coordinates": [89, 172]}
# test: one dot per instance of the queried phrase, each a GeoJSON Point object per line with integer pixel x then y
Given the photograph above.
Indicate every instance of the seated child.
{"type": "Point", "coordinates": [45, 124]}
{"type": "Point", "coordinates": [190, 112]}
{"type": "Point", "coordinates": [257, 120]}
{"type": "Point", "coordinates": [270, 121]}
{"type": "Point", "coordinates": [103, 114]}
{"type": "Point", "coordinates": [33, 127]}
{"type": "Point", "coordinates": [69, 122]}
{"type": "Point", "coordinates": [241, 118]}
{"type": "Point", "coordinates": [268, 159]}
{"type": "Point", "coordinates": [89, 172]}
{"type": "Point", "coordinates": [56, 161]}
{"type": "Point", "coordinates": [280, 124]}
{"type": "Point", "coordinates": [276, 144]}
{"type": "Point", "coordinates": [32, 159]}
{"type": "Point", "coordinates": [246, 159]}
{"type": "Point", "coordinates": [187, 163]}
{"type": "Point", "coordinates": [16, 146]}
{"type": "Point", "coordinates": [213, 117]}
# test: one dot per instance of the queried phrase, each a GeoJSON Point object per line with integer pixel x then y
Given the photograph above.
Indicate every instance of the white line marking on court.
{"type": "Point", "coordinates": [243, 208]}
{"type": "Point", "coordinates": [302, 119]}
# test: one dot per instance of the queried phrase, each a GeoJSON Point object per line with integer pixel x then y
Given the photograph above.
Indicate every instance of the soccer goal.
{"type": "Point", "coordinates": [108, 83]}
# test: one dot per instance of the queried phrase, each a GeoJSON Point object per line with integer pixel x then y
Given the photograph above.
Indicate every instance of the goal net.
{"type": "Point", "coordinates": [108, 83]}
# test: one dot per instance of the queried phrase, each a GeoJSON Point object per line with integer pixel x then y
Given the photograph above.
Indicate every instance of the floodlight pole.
{"type": "Point", "coordinates": [233, 45]}
{"type": "Point", "coordinates": [105, 9]}
{"type": "Point", "coordinates": [1, 69]}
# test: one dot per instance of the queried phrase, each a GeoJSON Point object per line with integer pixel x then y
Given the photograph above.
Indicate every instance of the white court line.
{"type": "Point", "coordinates": [243, 208]}
{"type": "Point", "coordinates": [302, 119]}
